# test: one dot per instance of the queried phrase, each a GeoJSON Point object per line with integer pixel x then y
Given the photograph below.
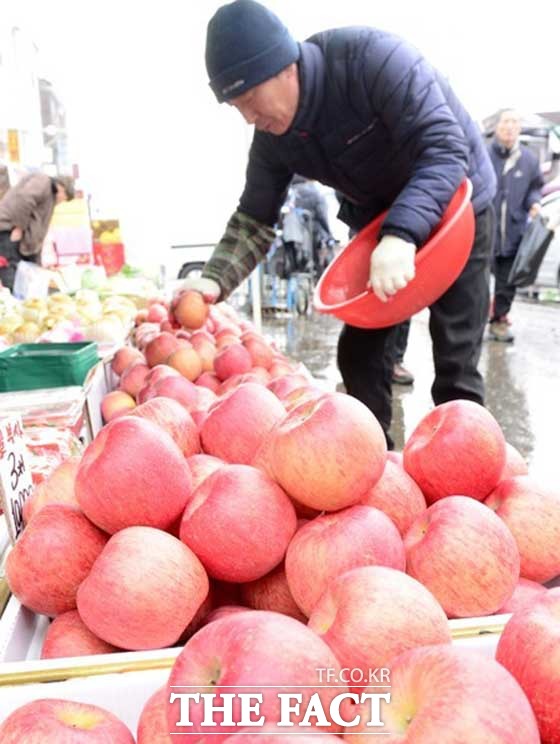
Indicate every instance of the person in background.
{"type": "Point", "coordinates": [25, 213]}
{"type": "Point", "coordinates": [517, 199]}
{"type": "Point", "coordinates": [296, 226]}
{"type": "Point", "coordinates": [359, 110]}
{"type": "Point", "coordinates": [4, 179]}
{"type": "Point", "coordinates": [307, 196]}
{"type": "Point", "coordinates": [401, 375]}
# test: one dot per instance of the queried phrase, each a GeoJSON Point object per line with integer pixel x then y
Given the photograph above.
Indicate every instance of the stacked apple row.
{"type": "Point", "coordinates": [185, 509]}
{"type": "Point", "coordinates": [220, 354]}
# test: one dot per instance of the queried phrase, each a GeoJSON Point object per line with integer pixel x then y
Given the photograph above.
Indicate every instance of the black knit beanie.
{"type": "Point", "coordinates": [246, 44]}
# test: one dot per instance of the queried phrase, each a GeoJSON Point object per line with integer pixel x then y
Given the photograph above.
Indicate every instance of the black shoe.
{"type": "Point", "coordinates": [401, 376]}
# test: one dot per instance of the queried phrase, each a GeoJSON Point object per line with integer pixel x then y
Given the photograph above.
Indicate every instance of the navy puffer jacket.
{"type": "Point", "coordinates": [378, 124]}
{"type": "Point", "coordinates": [519, 187]}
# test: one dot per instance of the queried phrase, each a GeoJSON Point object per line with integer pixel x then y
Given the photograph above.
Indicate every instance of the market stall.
{"type": "Point", "coordinates": [208, 490]}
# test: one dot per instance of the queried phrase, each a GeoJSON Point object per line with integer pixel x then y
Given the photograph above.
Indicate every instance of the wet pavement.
{"type": "Point", "coordinates": [522, 378]}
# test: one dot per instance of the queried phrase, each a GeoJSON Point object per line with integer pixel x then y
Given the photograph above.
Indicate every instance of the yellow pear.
{"type": "Point", "coordinates": [26, 333]}
{"type": "Point", "coordinates": [9, 323]}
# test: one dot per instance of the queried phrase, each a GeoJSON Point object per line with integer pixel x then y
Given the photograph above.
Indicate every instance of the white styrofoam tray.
{"type": "Point", "coordinates": [121, 682]}
{"type": "Point", "coordinates": [21, 638]}
{"type": "Point", "coordinates": [22, 632]}
{"type": "Point", "coordinates": [124, 695]}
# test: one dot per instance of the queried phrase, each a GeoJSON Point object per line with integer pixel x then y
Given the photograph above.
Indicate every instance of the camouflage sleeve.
{"type": "Point", "coordinates": [244, 244]}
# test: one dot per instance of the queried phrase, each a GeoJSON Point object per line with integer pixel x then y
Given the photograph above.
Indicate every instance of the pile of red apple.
{"type": "Point", "coordinates": [231, 505]}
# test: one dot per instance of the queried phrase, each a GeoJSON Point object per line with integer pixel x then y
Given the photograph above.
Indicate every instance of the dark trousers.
{"type": "Point", "coordinates": [401, 341]}
{"type": "Point", "coordinates": [457, 323]}
{"type": "Point", "coordinates": [10, 252]}
{"type": "Point", "coordinates": [503, 292]}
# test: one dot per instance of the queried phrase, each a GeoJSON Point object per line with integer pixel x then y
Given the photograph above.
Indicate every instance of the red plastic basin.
{"type": "Point", "coordinates": [342, 289]}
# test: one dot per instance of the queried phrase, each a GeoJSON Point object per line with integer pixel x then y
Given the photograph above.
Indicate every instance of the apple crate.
{"type": "Point", "coordinates": [124, 695]}
{"type": "Point", "coordinates": [22, 633]}
{"type": "Point", "coordinates": [123, 683]}
{"type": "Point", "coordinates": [32, 366]}
{"type": "Point", "coordinates": [480, 634]}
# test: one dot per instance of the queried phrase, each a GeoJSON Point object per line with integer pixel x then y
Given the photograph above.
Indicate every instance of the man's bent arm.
{"type": "Point", "coordinates": [244, 244]}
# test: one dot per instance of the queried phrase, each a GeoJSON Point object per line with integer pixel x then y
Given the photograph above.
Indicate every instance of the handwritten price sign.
{"type": "Point", "coordinates": [16, 484]}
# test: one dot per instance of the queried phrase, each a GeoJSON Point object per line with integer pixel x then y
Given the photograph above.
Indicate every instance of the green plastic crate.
{"type": "Point", "coordinates": [33, 366]}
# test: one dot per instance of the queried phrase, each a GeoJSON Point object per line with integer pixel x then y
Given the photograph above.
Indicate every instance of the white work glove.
{"type": "Point", "coordinates": [391, 266]}
{"type": "Point", "coordinates": [208, 288]}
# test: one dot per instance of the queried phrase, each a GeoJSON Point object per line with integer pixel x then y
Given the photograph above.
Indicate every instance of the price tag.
{"type": "Point", "coordinates": [16, 484]}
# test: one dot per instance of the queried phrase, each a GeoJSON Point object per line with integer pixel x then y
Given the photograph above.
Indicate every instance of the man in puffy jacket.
{"type": "Point", "coordinates": [363, 112]}
{"type": "Point", "coordinates": [518, 197]}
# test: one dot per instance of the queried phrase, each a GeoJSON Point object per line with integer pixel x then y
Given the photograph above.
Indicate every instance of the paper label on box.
{"type": "Point", "coordinates": [16, 484]}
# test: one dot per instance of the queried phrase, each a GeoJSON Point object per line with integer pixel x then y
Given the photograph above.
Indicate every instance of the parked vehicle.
{"type": "Point", "coordinates": [549, 273]}
{"type": "Point", "coordinates": [187, 259]}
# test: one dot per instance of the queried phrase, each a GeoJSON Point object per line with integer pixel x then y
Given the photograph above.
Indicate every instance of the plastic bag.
{"type": "Point", "coordinates": [530, 254]}
{"type": "Point", "coordinates": [31, 280]}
